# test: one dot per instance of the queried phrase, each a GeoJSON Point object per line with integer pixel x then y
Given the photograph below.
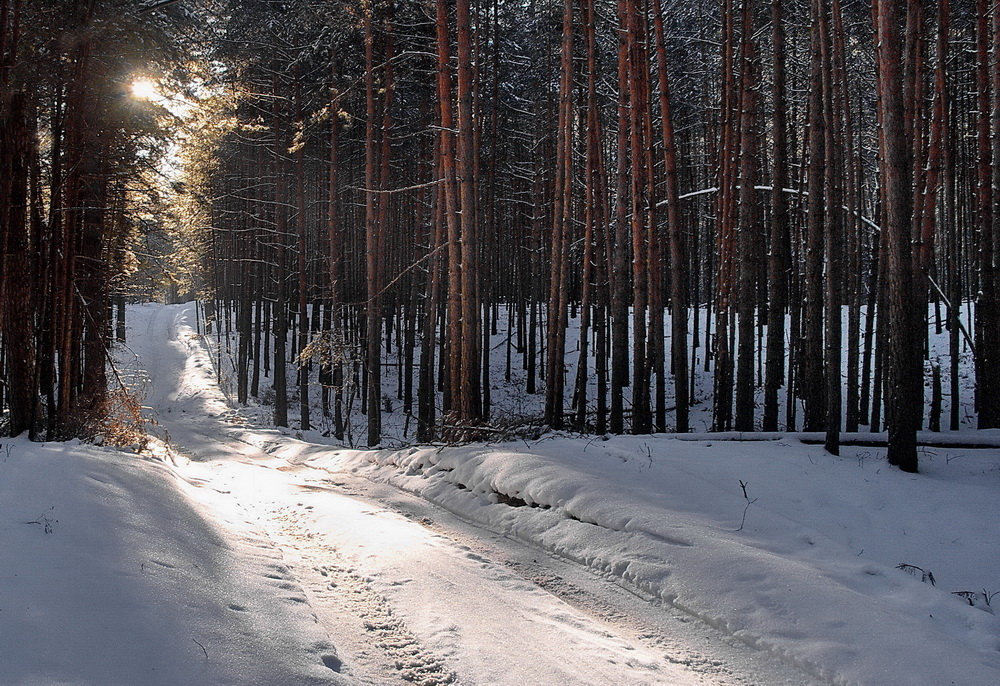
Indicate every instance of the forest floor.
{"type": "Point", "coordinates": [228, 553]}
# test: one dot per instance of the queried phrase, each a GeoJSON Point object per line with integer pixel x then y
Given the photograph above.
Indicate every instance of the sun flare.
{"type": "Point", "coordinates": [145, 89]}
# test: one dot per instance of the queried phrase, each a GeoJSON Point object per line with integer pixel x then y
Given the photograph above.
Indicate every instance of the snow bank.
{"type": "Point", "coordinates": [111, 574]}
{"type": "Point", "coordinates": [812, 575]}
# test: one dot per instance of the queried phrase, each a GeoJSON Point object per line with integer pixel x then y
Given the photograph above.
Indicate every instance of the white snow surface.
{"type": "Point", "coordinates": [811, 577]}
{"type": "Point", "coordinates": [270, 551]}
{"type": "Point", "coordinates": [110, 573]}
{"type": "Point", "coordinates": [410, 605]}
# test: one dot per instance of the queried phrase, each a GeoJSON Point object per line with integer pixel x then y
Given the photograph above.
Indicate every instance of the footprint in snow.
{"type": "Point", "coordinates": [332, 661]}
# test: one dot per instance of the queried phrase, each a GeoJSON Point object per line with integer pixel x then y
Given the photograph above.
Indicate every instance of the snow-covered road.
{"type": "Point", "coordinates": [407, 592]}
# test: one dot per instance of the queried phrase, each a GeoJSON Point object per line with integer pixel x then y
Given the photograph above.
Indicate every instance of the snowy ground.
{"type": "Point", "coordinates": [812, 575]}
{"type": "Point", "coordinates": [112, 572]}
{"type": "Point", "coordinates": [560, 561]}
{"type": "Point", "coordinates": [408, 592]}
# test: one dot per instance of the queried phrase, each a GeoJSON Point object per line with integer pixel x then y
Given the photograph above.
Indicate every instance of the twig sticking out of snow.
{"type": "Point", "coordinates": [746, 497]}
{"type": "Point", "coordinates": [925, 575]}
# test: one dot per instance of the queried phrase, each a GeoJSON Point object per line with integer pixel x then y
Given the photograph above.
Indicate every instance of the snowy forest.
{"type": "Point", "coordinates": [427, 228]}
{"type": "Point", "coordinates": [637, 194]}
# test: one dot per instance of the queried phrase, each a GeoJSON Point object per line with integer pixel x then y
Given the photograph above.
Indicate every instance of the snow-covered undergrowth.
{"type": "Point", "coordinates": [111, 573]}
{"type": "Point", "coordinates": [812, 576]}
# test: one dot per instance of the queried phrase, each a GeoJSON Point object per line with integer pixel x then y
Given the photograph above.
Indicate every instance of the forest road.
{"type": "Point", "coordinates": [407, 592]}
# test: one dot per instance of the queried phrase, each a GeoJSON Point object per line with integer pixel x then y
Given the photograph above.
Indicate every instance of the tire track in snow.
{"type": "Point", "coordinates": [336, 590]}
{"type": "Point", "coordinates": [373, 646]}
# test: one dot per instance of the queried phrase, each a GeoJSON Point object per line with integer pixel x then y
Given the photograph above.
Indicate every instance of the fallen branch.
{"type": "Point", "coordinates": [202, 648]}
